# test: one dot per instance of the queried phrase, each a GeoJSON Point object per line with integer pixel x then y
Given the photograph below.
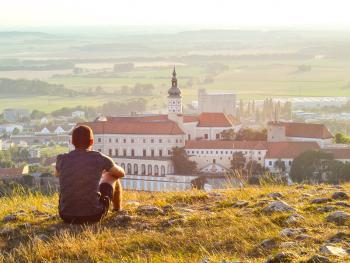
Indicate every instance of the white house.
{"type": "Point", "coordinates": [78, 114]}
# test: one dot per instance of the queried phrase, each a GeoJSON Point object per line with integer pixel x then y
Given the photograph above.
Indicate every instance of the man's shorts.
{"type": "Point", "coordinates": [106, 195]}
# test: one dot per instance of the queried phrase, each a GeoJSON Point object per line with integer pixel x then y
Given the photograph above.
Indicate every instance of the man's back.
{"type": "Point", "coordinates": [80, 172]}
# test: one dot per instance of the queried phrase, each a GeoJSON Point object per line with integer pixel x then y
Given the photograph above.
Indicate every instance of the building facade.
{"type": "Point", "coordinates": [217, 102]}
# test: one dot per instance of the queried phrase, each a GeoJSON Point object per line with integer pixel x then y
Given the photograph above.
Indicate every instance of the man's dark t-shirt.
{"type": "Point", "coordinates": [80, 173]}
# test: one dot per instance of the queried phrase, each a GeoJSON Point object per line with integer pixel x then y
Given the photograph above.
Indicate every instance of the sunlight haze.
{"type": "Point", "coordinates": [157, 12]}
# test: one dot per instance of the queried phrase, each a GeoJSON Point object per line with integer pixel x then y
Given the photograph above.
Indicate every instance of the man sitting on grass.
{"type": "Point", "coordinates": [89, 180]}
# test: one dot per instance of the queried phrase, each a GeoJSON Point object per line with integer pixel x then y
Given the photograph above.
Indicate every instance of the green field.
{"type": "Point", "coordinates": [258, 65]}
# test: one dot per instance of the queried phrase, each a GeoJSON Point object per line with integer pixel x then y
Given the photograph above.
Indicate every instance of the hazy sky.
{"type": "Point", "coordinates": [324, 13]}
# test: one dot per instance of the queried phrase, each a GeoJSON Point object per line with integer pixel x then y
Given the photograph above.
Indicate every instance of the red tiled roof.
{"type": "Point", "coordinates": [305, 130]}
{"type": "Point", "coordinates": [145, 118]}
{"type": "Point", "coordinates": [214, 119]}
{"type": "Point", "coordinates": [277, 150]}
{"type": "Point", "coordinates": [249, 145]}
{"type": "Point", "coordinates": [11, 171]}
{"type": "Point", "coordinates": [134, 127]}
{"type": "Point", "coordinates": [190, 118]}
{"type": "Point", "coordinates": [340, 154]}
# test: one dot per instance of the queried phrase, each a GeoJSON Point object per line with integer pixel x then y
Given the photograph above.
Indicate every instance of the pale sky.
{"type": "Point", "coordinates": [322, 13]}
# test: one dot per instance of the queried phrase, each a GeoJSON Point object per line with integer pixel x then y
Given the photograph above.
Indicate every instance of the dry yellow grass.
{"type": "Point", "coordinates": [210, 228]}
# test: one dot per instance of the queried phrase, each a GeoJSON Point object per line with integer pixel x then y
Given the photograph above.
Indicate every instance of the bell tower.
{"type": "Point", "coordinates": [174, 96]}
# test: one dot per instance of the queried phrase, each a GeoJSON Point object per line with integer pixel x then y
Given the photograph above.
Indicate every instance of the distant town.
{"type": "Point", "coordinates": [218, 139]}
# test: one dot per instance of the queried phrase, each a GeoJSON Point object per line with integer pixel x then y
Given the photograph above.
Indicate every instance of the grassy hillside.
{"type": "Point", "coordinates": [182, 227]}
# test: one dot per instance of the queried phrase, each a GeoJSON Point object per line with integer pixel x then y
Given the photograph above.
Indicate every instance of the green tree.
{"type": "Point", "coordinates": [181, 162]}
{"type": "Point", "coordinates": [36, 114]}
{"type": "Point", "coordinates": [254, 168]}
{"type": "Point", "coordinates": [238, 161]}
{"type": "Point", "coordinates": [341, 138]}
{"type": "Point", "coordinates": [228, 135]}
{"type": "Point", "coordinates": [311, 166]}
{"type": "Point", "coordinates": [280, 165]}
{"type": "Point", "coordinates": [248, 134]}
{"type": "Point", "coordinates": [15, 131]}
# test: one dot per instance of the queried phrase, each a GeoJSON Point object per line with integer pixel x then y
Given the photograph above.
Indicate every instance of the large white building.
{"type": "Point", "coordinates": [143, 145]}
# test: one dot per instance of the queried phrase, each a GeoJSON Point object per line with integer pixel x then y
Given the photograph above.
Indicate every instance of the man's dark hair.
{"type": "Point", "coordinates": [82, 136]}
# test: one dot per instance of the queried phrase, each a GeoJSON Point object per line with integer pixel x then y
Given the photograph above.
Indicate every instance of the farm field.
{"type": "Point", "coordinates": [287, 64]}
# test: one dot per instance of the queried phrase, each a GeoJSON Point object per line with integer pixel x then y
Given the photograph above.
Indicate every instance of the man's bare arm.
{"type": "Point", "coordinates": [117, 172]}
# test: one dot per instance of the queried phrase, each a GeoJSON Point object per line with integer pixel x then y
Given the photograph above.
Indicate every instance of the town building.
{"type": "Point", "coordinates": [14, 172]}
{"type": "Point", "coordinates": [216, 156]}
{"type": "Point", "coordinates": [143, 145]}
{"type": "Point", "coordinates": [294, 131]}
{"type": "Point", "coordinates": [13, 115]}
{"type": "Point", "coordinates": [78, 114]}
{"type": "Point", "coordinates": [217, 102]}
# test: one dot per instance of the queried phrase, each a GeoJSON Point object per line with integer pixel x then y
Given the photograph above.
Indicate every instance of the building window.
{"type": "Point", "coordinates": [144, 140]}
{"type": "Point", "coordinates": [206, 136]}
{"type": "Point", "coordinates": [143, 169]}
{"type": "Point", "coordinates": [259, 158]}
{"type": "Point", "coordinates": [100, 150]}
{"type": "Point", "coordinates": [176, 141]}
{"type": "Point", "coordinates": [132, 140]}
{"type": "Point", "coordinates": [99, 139]}
{"type": "Point", "coordinates": [162, 170]}
{"type": "Point", "coordinates": [152, 153]}
{"type": "Point", "coordinates": [116, 152]}
{"type": "Point", "coordinates": [144, 152]}
{"type": "Point", "coordinates": [149, 168]}
{"type": "Point", "coordinates": [169, 152]}
{"type": "Point", "coordinates": [189, 137]}
{"type": "Point", "coordinates": [124, 140]}
{"type": "Point", "coordinates": [116, 140]}
{"type": "Point", "coordinates": [214, 160]}
{"type": "Point", "coordinates": [217, 136]}
{"type": "Point", "coordinates": [129, 168]}
{"type": "Point", "coordinates": [270, 163]}
{"type": "Point", "coordinates": [160, 140]}
{"type": "Point", "coordinates": [132, 152]}
{"type": "Point", "coordinates": [124, 152]}
{"type": "Point", "coordinates": [110, 140]}
{"type": "Point", "coordinates": [136, 169]}
{"type": "Point", "coordinates": [110, 152]}
{"type": "Point", "coordinates": [160, 153]}
{"type": "Point", "coordinates": [290, 163]}
{"type": "Point", "coordinates": [156, 170]}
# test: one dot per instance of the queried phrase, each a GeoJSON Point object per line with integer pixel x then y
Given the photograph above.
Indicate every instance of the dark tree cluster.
{"type": "Point", "coordinates": [33, 87]}
{"type": "Point", "coordinates": [319, 167]}
{"type": "Point", "coordinates": [181, 162]}
{"type": "Point", "coordinates": [246, 169]}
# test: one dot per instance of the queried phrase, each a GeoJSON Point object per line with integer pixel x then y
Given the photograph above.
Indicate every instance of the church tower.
{"type": "Point", "coordinates": [174, 96]}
